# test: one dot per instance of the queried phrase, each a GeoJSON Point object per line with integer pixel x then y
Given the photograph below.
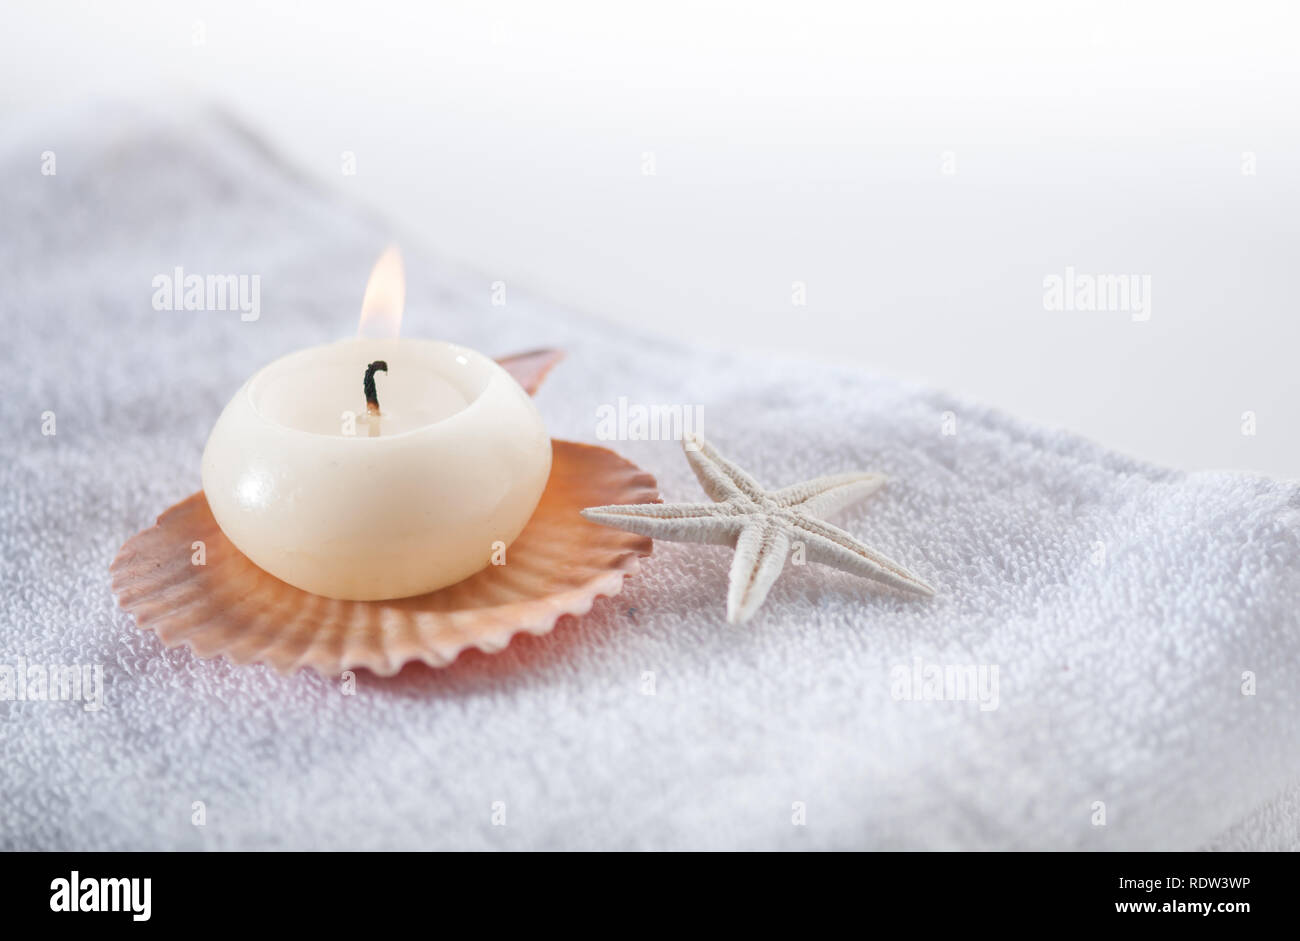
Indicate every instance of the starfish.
{"type": "Point", "coordinates": [762, 526]}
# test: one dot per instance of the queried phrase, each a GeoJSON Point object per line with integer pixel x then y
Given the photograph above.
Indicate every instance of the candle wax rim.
{"type": "Point", "coordinates": [493, 370]}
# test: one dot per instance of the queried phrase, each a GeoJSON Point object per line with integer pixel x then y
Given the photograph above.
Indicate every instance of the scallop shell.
{"type": "Point", "coordinates": [529, 369]}
{"type": "Point", "coordinates": [560, 564]}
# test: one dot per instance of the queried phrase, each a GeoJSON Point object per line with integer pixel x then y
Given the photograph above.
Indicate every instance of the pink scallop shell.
{"type": "Point", "coordinates": [560, 564]}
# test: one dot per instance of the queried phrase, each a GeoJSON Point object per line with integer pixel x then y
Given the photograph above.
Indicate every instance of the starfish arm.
{"type": "Point", "coordinates": [826, 495]}
{"type": "Point", "coordinates": [709, 523]}
{"type": "Point", "coordinates": [832, 546]}
{"type": "Point", "coordinates": [760, 556]}
{"type": "Point", "coordinates": [721, 479]}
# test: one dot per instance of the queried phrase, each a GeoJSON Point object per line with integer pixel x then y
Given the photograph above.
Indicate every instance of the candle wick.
{"type": "Point", "coordinates": [372, 397]}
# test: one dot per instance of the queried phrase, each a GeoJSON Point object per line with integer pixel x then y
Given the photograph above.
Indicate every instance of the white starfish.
{"type": "Point", "coordinates": [762, 526]}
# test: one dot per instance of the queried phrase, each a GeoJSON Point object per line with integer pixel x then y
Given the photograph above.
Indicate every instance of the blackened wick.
{"type": "Point", "coordinates": [372, 397]}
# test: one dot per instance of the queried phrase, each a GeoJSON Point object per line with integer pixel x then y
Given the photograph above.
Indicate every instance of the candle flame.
{"type": "Point", "coordinates": [381, 309]}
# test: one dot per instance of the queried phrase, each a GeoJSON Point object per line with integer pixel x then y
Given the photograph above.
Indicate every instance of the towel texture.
{"type": "Point", "coordinates": [1127, 609]}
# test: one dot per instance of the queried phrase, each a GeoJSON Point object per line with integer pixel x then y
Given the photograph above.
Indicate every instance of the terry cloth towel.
{"type": "Point", "coordinates": [1142, 622]}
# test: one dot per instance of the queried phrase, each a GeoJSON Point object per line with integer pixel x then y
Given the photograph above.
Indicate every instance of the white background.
{"type": "Point", "coordinates": [803, 142]}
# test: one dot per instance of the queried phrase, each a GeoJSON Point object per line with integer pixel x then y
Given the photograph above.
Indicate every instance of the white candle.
{"type": "Point", "coordinates": [366, 508]}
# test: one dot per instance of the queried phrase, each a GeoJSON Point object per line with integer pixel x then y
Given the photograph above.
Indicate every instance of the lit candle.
{"type": "Point", "coordinates": [377, 467]}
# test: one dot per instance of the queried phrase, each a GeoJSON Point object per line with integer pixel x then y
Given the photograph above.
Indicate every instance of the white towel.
{"type": "Point", "coordinates": [1125, 607]}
